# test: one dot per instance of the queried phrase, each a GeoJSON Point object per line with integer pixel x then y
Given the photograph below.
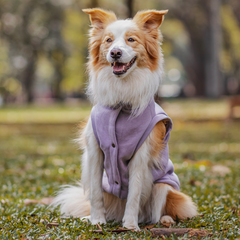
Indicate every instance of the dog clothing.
{"type": "Point", "coordinates": [119, 135]}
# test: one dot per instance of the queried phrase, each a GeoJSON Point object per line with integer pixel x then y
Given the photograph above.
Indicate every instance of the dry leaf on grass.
{"type": "Point", "coordinates": [199, 162]}
{"type": "Point", "coordinates": [213, 181]}
{"type": "Point", "coordinates": [193, 182]}
{"type": "Point", "coordinates": [156, 232]}
{"type": "Point", "coordinates": [99, 226]}
{"type": "Point", "coordinates": [148, 226]}
{"type": "Point", "coordinates": [118, 230]}
{"type": "Point", "coordinates": [44, 221]}
{"type": "Point", "coordinates": [168, 225]}
{"type": "Point", "coordinates": [30, 201]}
{"type": "Point", "coordinates": [45, 201]}
{"type": "Point", "coordinates": [221, 170]}
{"type": "Point", "coordinates": [53, 224]}
{"type": "Point", "coordinates": [49, 224]}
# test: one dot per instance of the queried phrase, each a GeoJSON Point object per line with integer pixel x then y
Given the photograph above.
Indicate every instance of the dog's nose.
{"type": "Point", "coordinates": [116, 53]}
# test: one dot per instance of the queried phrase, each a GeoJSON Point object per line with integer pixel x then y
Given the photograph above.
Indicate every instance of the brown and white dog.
{"type": "Point", "coordinates": [125, 66]}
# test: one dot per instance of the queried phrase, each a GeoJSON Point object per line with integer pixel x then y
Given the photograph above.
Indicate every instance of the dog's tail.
{"type": "Point", "coordinates": [72, 201]}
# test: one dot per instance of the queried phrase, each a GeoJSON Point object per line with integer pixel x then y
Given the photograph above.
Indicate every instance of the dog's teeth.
{"type": "Point", "coordinates": [124, 67]}
{"type": "Point", "coordinates": [114, 63]}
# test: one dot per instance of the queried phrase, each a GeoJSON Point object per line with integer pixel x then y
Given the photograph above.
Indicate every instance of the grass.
{"type": "Point", "coordinates": [36, 158]}
{"type": "Point", "coordinates": [182, 109]}
{"type": "Point", "coordinates": [56, 114]}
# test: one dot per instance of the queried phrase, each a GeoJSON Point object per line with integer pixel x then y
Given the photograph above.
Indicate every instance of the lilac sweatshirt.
{"type": "Point", "coordinates": [120, 135]}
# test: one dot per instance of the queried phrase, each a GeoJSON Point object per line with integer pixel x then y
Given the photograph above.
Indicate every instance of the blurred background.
{"type": "Point", "coordinates": [43, 48]}
{"type": "Point", "coordinates": [43, 51]}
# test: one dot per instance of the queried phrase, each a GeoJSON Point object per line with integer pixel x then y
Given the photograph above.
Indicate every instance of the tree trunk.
{"type": "Point", "coordinates": [129, 4]}
{"type": "Point", "coordinates": [93, 4]}
{"type": "Point", "coordinates": [57, 93]}
{"type": "Point", "coordinates": [29, 77]}
{"type": "Point", "coordinates": [213, 83]}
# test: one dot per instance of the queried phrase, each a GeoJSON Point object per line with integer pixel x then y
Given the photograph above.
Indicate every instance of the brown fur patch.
{"type": "Point", "coordinates": [156, 139]}
{"type": "Point", "coordinates": [148, 23]}
{"type": "Point", "coordinates": [177, 205]}
{"type": "Point", "coordinates": [141, 47]}
{"type": "Point", "coordinates": [99, 19]}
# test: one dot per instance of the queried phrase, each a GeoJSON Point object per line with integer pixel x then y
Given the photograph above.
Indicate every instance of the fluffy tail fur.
{"type": "Point", "coordinates": [180, 205]}
{"type": "Point", "coordinates": [73, 201]}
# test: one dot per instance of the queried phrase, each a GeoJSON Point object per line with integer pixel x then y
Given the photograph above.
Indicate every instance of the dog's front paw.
{"type": "Point", "coordinates": [98, 220]}
{"type": "Point", "coordinates": [131, 223]}
{"type": "Point", "coordinates": [86, 219]}
{"type": "Point", "coordinates": [98, 216]}
{"type": "Point", "coordinates": [167, 220]}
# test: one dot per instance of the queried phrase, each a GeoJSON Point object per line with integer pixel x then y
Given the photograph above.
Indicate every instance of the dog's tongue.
{"type": "Point", "coordinates": [118, 67]}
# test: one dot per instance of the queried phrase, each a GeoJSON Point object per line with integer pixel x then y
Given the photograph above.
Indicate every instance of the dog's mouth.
{"type": "Point", "coordinates": [120, 68]}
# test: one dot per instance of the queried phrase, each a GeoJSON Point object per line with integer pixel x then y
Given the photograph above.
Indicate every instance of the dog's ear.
{"type": "Point", "coordinates": [149, 20]}
{"type": "Point", "coordinates": [100, 18]}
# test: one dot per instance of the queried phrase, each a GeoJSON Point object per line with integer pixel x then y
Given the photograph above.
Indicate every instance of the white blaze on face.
{"type": "Point", "coordinates": [119, 29]}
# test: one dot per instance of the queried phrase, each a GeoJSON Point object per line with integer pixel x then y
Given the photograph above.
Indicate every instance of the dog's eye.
{"type": "Point", "coordinates": [131, 40]}
{"type": "Point", "coordinates": [109, 40]}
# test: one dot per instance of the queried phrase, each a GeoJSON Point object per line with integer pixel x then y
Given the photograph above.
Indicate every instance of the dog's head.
{"type": "Point", "coordinates": [125, 54]}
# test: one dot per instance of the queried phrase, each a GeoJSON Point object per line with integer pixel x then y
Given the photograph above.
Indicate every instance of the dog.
{"type": "Point", "coordinates": [126, 171]}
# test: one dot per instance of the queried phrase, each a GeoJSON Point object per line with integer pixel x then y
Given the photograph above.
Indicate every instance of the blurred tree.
{"type": "Point", "coordinates": [213, 80]}
{"type": "Point", "coordinates": [129, 4]}
{"type": "Point", "coordinates": [230, 59]}
{"type": "Point", "coordinates": [75, 28]}
{"type": "Point", "coordinates": [53, 33]}
{"type": "Point", "coordinates": [31, 28]}
{"type": "Point", "coordinates": [235, 4]}
{"type": "Point", "coordinates": [201, 20]}
{"type": "Point", "coordinates": [93, 4]}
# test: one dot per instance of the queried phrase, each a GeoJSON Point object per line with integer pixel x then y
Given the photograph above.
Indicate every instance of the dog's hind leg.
{"type": "Point", "coordinates": [180, 205]}
{"type": "Point", "coordinates": [159, 197]}
{"type": "Point", "coordinates": [168, 204]}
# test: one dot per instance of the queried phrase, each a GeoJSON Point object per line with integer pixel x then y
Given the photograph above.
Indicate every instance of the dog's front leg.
{"type": "Point", "coordinates": [96, 194]}
{"type": "Point", "coordinates": [137, 170]}
{"type": "Point", "coordinates": [92, 172]}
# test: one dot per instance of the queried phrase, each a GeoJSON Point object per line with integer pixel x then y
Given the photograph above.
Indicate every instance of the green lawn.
{"type": "Point", "coordinates": [38, 156]}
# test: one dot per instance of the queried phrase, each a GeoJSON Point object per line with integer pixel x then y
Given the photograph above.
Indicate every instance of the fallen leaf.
{"type": "Point", "coordinates": [99, 226]}
{"type": "Point", "coordinates": [199, 163]}
{"type": "Point", "coordinates": [166, 224]}
{"type": "Point", "coordinates": [30, 201]}
{"type": "Point", "coordinates": [43, 221]}
{"type": "Point", "coordinates": [221, 170]}
{"type": "Point", "coordinates": [199, 233]}
{"type": "Point", "coordinates": [53, 224]}
{"type": "Point", "coordinates": [213, 181]}
{"type": "Point", "coordinates": [45, 201]}
{"type": "Point", "coordinates": [195, 183]}
{"type": "Point", "coordinates": [156, 232]}
{"type": "Point", "coordinates": [148, 226]}
{"type": "Point", "coordinates": [118, 230]}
